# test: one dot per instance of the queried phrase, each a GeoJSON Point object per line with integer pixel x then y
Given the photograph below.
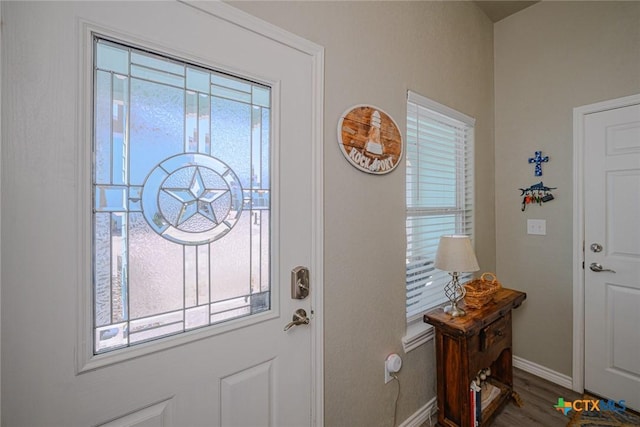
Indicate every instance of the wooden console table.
{"type": "Point", "coordinates": [464, 346]}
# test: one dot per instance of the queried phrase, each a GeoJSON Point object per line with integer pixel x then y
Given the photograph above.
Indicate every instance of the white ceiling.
{"type": "Point", "coordinates": [497, 10]}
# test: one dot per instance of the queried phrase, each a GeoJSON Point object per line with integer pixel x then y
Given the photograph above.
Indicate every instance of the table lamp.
{"type": "Point", "coordinates": [455, 255]}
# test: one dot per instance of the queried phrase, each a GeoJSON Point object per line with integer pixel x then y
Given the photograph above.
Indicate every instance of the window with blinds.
{"type": "Point", "coordinates": [439, 186]}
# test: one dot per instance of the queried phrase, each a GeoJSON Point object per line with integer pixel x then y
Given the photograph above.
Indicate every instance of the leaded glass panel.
{"type": "Point", "coordinates": [181, 197]}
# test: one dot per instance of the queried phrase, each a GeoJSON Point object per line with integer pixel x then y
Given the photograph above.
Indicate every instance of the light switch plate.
{"type": "Point", "coordinates": [537, 226]}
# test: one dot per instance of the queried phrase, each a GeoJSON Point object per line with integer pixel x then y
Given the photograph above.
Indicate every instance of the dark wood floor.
{"type": "Point", "coordinates": [539, 397]}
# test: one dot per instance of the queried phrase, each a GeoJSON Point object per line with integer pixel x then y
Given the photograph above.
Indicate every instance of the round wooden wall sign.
{"type": "Point", "coordinates": [370, 139]}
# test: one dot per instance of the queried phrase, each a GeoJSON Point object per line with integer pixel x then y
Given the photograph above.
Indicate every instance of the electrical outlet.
{"type": "Point", "coordinates": [392, 364]}
{"type": "Point", "coordinates": [537, 226]}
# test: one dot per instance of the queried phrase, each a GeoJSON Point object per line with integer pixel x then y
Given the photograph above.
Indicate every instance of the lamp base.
{"type": "Point", "coordinates": [454, 310]}
{"type": "Point", "coordinates": [455, 293]}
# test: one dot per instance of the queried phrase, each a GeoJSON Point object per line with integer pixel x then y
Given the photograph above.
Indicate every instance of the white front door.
{"type": "Point", "coordinates": [175, 313]}
{"type": "Point", "coordinates": [612, 253]}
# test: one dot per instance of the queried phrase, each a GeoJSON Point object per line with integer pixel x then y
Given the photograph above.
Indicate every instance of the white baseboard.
{"type": "Point", "coordinates": [543, 372]}
{"type": "Point", "coordinates": [423, 414]}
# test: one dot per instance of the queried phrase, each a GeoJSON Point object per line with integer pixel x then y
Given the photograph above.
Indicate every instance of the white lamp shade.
{"type": "Point", "coordinates": [455, 253]}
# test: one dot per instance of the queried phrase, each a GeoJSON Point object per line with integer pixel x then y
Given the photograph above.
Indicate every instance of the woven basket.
{"type": "Point", "coordinates": [481, 291]}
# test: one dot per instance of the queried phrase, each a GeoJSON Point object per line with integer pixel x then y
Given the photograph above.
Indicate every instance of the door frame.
{"type": "Point", "coordinates": [579, 115]}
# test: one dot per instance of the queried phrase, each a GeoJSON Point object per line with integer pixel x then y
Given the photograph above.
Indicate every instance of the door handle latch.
{"type": "Point", "coordinates": [299, 318]}
{"type": "Point", "coordinates": [594, 266]}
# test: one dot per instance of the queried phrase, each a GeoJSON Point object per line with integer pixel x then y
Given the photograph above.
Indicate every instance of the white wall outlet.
{"type": "Point", "coordinates": [537, 226]}
{"type": "Point", "coordinates": [392, 364]}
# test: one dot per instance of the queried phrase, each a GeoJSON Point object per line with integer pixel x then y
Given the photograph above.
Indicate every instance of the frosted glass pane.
{"type": "Point", "coordinates": [256, 252]}
{"type": "Point", "coordinates": [230, 309]}
{"type": "Point", "coordinates": [155, 281]}
{"type": "Point", "coordinates": [190, 276]}
{"type": "Point", "coordinates": [135, 194]}
{"type": "Point", "coordinates": [204, 124]}
{"type": "Point", "coordinates": [264, 149]}
{"type": "Point", "coordinates": [157, 62]}
{"type": "Point", "coordinates": [261, 96]}
{"type": "Point", "coordinates": [232, 314]}
{"type": "Point", "coordinates": [203, 274]}
{"type": "Point", "coordinates": [153, 322]}
{"type": "Point", "coordinates": [230, 263]}
{"type": "Point", "coordinates": [260, 302]}
{"type": "Point", "coordinates": [153, 327]}
{"type": "Point", "coordinates": [156, 333]}
{"type": "Point", "coordinates": [196, 317]}
{"type": "Point", "coordinates": [265, 272]}
{"type": "Point", "coordinates": [235, 95]}
{"type": "Point", "coordinates": [231, 136]}
{"type": "Point", "coordinates": [111, 337]}
{"type": "Point", "coordinates": [111, 198]}
{"type": "Point", "coordinates": [197, 80]}
{"type": "Point", "coordinates": [191, 122]}
{"type": "Point", "coordinates": [119, 269]}
{"type": "Point", "coordinates": [120, 107]}
{"type": "Point", "coordinates": [102, 269]}
{"type": "Point", "coordinates": [231, 83]}
{"type": "Point", "coordinates": [103, 128]}
{"type": "Point", "coordinates": [256, 145]}
{"type": "Point", "coordinates": [229, 305]}
{"type": "Point", "coordinates": [156, 129]}
{"type": "Point", "coordinates": [112, 58]}
{"type": "Point", "coordinates": [259, 199]}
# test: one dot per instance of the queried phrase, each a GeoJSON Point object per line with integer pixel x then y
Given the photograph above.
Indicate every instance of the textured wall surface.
{"type": "Point", "coordinates": [549, 59]}
{"type": "Point", "coordinates": [375, 52]}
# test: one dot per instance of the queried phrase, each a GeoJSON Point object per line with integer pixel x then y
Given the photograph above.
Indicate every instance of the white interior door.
{"type": "Point", "coordinates": [612, 244]}
{"type": "Point", "coordinates": [179, 345]}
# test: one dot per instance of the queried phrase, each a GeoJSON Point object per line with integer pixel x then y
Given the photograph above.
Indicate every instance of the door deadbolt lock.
{"type": "Point", "coordinates": [299, 283]}
{"type": "Point", "coordinates": [596, 247]}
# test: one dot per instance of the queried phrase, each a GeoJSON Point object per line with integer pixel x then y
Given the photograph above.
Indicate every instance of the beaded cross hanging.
{"type": "Point", "coordinates": [538, 160]}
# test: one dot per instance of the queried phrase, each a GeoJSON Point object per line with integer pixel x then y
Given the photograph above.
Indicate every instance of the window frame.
{"type": "Point", "coordinates": [86, 359]}
{"type": "Point", "coordinates": [417, 331]}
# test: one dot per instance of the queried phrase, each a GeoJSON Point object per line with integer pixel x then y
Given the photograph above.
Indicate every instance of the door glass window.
{"type": "Point", "coordinates": [181, 196]}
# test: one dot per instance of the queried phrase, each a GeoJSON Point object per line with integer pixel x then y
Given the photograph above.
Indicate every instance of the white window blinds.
{"type": "Point", "coordinates": [439, 186]}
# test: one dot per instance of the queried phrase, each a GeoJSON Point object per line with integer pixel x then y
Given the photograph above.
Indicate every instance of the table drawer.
{"type": "Point", "coordinates": [495, 333]}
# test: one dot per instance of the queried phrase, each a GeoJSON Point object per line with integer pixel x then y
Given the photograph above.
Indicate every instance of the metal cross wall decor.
{"type": "Point", "coordinates": [538, 160]}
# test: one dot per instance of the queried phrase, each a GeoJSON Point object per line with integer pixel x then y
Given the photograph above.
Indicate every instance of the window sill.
{"type": "Point", "coordinates": [417, 334]}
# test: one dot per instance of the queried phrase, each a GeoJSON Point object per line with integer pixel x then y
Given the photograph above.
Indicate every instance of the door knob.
{"type": "Point", "coordinates": [299, 318]}
{"type": "Point", "coordinates": [594, 266]}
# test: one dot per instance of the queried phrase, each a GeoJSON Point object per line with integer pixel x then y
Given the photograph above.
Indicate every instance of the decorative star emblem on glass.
{"type": "Point", "coordinates": [196, 199]}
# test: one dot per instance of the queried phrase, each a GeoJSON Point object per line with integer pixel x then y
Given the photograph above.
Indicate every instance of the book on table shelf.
{"type": "Point", "coordinates": [489, 393]}
{"type": "Point", "coordinates": [476, 404]}
{"type": "Point", "coordinates": [480, 397]}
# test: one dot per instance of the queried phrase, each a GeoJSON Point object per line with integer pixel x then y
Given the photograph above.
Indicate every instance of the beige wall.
{"type": "Point", "coordinates": [550, 58]}
{"type": "Point", "coordinates": [375, 51]}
